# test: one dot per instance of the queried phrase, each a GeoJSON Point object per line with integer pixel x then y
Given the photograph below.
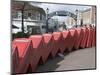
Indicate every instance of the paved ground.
{"type": "Point", "coordinates": [80, 59]}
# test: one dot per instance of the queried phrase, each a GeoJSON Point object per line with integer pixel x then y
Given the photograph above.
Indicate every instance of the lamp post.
{"type": "Point", "coordinates": [76, 11]}
{"type": "Point", "coordinates": [47, 11]}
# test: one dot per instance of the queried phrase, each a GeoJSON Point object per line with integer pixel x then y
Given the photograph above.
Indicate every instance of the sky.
{"type": "Point", "coordinates": [56, 7]}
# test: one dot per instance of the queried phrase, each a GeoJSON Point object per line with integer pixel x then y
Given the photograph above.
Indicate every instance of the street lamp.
{"type": "Point", "coordinates": [76, 11]}
{"type": "Point", "coordinates": [47, 11]}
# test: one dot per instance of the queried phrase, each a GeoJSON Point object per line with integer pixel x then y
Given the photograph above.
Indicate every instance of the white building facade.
{"type": "Point", "coordinates": [34, 19]}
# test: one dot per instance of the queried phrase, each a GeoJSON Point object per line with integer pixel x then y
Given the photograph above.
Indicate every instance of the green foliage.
{"type": "Point", "coordinates": [19, 35]}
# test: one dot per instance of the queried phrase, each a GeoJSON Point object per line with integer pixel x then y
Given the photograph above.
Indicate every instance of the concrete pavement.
{"type": "Point", "coordinates": [80, 59]}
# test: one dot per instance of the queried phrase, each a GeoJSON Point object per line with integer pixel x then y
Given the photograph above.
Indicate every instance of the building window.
{"type": "Point", "coordinates": [32, 16]}
{"type": "Point", "coordinates": [44, 27]}
{"type": "Point", "coordinates": [37, 16]}
{"type": "Point", "coordinates": [17, 15]}
{"type": "Point", "coordinates": [25, 15]}
{"type": "Point", "coordinates": [29, 14]}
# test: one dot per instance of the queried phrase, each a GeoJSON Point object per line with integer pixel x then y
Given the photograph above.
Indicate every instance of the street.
{"type": "Point", "coordinates": [80, 59]}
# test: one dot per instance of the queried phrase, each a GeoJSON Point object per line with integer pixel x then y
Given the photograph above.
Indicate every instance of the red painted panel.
{"type": "Point", "coordinates": [23, 45]}
{"type": "Point", "coordinates": [48, 46]}
{"type": "Point", "coordinates": [56, 40]}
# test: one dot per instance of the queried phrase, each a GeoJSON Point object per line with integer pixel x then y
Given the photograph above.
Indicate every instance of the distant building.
{"type": "Point", "coordinates": [87, 16]}
{"type": "Point", "coordinates": [34, 18]}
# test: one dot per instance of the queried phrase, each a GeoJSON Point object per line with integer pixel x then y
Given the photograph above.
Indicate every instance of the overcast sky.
{"type": "Point", "coordinates": [57, 7]}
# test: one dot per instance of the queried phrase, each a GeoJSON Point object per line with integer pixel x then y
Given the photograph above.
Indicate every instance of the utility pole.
{"type": "Point", "coordinates": [22, 11]}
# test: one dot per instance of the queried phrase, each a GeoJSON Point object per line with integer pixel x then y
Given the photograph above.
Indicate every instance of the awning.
{"type": "Point", "coordinates": [15, 27]}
